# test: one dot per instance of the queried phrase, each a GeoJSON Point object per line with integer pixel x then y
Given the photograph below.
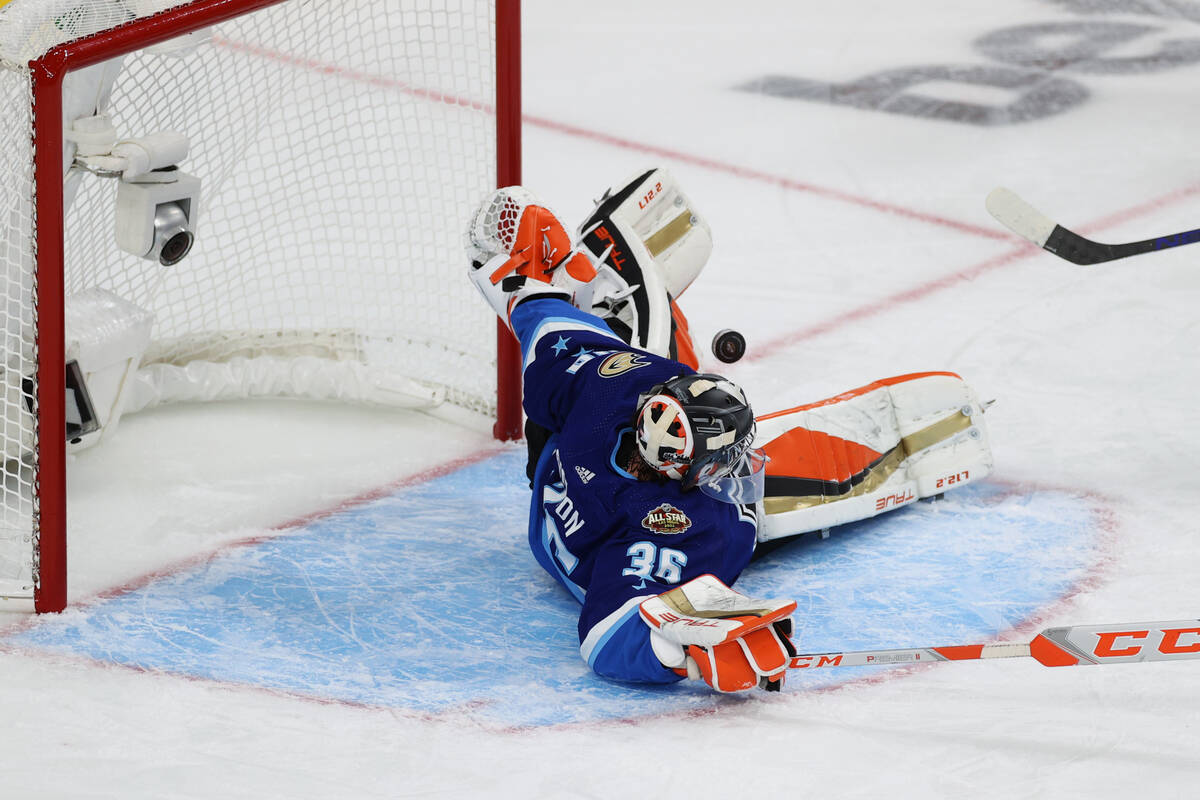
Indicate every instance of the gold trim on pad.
{"type": "Point", "coordinates": [670, 233]}
{"type": "Point", "coordinates": [877, 475]}
{"type": "Point", "coordinates": [678, 600]}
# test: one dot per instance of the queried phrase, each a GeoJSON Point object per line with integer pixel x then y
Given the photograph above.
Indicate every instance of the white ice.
{"type": "Point", "coordinates": [850, 244]}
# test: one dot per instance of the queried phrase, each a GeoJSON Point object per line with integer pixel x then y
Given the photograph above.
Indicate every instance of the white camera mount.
{"type": "Point", "coordinates": [157, 203]}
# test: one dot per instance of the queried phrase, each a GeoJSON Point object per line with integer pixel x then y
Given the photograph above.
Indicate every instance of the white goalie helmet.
{"type": "Point", "coordinates": [699, 430]}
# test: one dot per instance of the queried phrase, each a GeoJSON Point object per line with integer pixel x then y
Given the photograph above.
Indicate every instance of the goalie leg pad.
{"type": "Point", "coordinates": [652, 243]}
{"type": "Point", "coordinates": [629, 287]}
{"type": "Point", "coordinates": [870, 450]}
{"type": "Point", "coordinates": [657, 213]}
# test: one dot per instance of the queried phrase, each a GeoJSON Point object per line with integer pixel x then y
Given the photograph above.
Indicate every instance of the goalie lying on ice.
{"type": "Point", "coordinates": [653, 483]}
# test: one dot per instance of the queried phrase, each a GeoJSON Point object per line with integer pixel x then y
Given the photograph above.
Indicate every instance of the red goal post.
{"type": "Point", "coordinates": [438, 100]}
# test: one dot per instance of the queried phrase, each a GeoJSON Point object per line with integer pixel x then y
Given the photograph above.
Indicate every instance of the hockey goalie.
{"type": "Point", "coordinates": [653, 483]}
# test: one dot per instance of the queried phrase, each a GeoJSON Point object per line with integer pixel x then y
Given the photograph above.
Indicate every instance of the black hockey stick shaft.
{"type": "Point", "coordinates": [1029, 223]}
{"type": "Point", "coordinates": [1078, 250]}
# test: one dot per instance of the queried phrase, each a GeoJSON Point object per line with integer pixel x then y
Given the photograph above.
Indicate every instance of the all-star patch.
{"type": "Point", "coordinates": [666, 519]}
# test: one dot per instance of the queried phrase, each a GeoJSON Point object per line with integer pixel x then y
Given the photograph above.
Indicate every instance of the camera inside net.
{"type": "Point", "coordinates": [156, 214]}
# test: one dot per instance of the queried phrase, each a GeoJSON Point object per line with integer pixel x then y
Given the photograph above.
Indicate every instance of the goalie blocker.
{"type": "Point", "coordinates": [705, 630]}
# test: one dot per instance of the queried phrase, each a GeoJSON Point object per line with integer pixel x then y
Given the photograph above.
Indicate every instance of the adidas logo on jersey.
{"type": "Point", "coordinates": [585, 475]}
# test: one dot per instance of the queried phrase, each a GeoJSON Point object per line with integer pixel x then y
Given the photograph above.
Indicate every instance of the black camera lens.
{"type": "Point", "coordinates": [176, 248]}
{"type": "Point", "coordinates": [171, 228]}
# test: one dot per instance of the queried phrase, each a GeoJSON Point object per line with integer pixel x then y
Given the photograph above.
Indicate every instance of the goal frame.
{"type": "Point", "coordinates": [49, 394]}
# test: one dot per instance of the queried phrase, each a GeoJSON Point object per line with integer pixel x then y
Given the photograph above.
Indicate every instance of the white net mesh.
{"type": "Point", "coordinates": [494, 227]}
{"type": "Point", "coordinates": [16, 282]}
{"type": "Point", "coordinates": [340, 147]}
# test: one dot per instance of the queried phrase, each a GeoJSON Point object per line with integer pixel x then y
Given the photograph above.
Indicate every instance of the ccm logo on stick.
{"type": "Point", "coordinates": [806, 662]}
{"type": "Point", "coordinates": [1115, 644]}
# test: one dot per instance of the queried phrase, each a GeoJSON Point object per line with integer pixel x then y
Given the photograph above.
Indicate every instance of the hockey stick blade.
{"type": "Point", "coordinates": [1029, 223]}
{"type": "Point", "coordinates": [1053, 647]}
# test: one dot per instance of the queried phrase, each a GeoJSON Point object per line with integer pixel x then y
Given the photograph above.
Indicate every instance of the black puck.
{"type": "Point", "coordinates": [729, 345]}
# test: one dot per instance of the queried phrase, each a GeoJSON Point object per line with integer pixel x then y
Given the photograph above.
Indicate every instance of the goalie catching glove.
{"type": "Point", "coordinates": [704, 629]}
{"type": "Point", "coordinates": [518, 250]}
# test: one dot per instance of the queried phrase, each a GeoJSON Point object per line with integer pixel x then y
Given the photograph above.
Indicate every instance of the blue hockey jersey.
{"type": "Point", "coordinates": [612, 540]}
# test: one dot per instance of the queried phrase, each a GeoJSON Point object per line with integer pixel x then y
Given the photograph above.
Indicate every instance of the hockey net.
{"type": "Point", "coordinates": [340, 148]}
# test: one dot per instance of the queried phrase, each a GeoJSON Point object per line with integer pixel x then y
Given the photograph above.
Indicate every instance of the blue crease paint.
{"type": "Point", "coordinates": [428, 600]}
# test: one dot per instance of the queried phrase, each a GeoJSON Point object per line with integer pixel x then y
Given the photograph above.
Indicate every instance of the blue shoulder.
{"type": "Point", "coordinates": [535, 320]}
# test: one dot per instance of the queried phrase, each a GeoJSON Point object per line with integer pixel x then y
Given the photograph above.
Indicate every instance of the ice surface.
{"type": "Point", "coordinates": [851, 243]}
{"type": "Point", "coordinates": [426, 600]}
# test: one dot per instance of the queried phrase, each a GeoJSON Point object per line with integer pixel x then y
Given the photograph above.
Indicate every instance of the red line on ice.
{"type": "Point", "coordinates": [200, 559]}
{"type": "Point", "coordinates": [764, 177]}
{"type": "Point", "coordinates": [579, 132]}
{"type": "Point", "coordinates": [425, 474]}
{"type": "Point", "coordinates": [921, 291]}
{"type": "Point", "coordinates": [772, 346]}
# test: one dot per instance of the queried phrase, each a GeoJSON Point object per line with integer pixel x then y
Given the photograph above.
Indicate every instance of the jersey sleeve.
{"type": "Point", "coordinates": [614, 640]}
{"type": "Point", "coordinates": [557, 341]}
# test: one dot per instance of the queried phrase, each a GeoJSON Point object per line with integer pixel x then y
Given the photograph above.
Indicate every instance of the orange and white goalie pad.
{"type": "Point", "coordinates": [652, 210]}
{"type": "Point", "coordinates": [705, 630]}
{"type": "Point", "coordinates": [870, 450]}
{"type": "Point", "coordinates": [650, 244]}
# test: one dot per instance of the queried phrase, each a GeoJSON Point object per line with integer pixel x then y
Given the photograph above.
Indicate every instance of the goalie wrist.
{"type": "Point", "coordinates": [507, 293]}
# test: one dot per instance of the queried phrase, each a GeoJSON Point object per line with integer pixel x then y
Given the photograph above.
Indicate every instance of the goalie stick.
{"type": "Point", "coordinates": [1029, 223]}
{"type": "Point", "coordinates": [1053, 647]}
